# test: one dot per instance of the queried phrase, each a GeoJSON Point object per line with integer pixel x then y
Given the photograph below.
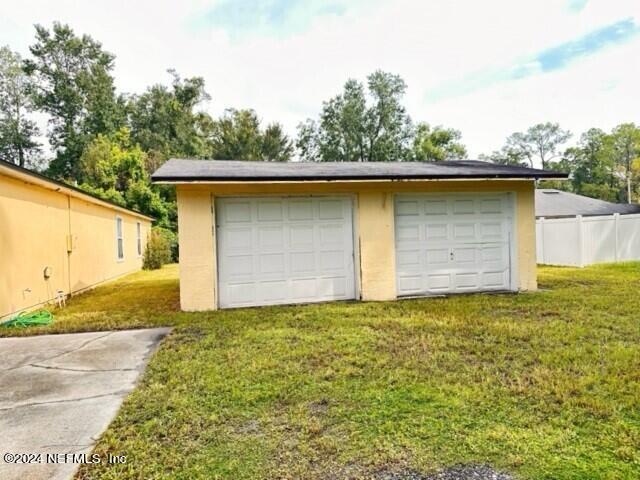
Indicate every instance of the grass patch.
{"type": "Point", "coordinates": [544, 385]}
{"type": "Point", "coordinates": [142, 299]}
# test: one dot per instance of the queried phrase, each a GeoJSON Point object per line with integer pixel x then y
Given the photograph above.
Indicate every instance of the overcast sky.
{"type": "Point", "coordinates": [487, 68]}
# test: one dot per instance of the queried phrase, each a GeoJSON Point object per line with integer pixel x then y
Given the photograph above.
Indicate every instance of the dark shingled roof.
{"type": "Point", "coordinates": [555, 203]}
{"type": "Point", "coordinates": [184, 171]}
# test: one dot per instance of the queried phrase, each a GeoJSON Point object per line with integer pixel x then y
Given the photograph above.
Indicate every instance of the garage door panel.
{"type": "Point", "coordinates": [494, 280]}
{"type": "Point", "coordinates": [301, 236]}
{"type": "Point", "coordinates": [269, 210]}
{"type": "Point", "coordinates": [272, 263]}
{"type": "Point", "coordinates": [237, 212]}
{"type": "Point", "coordinates": [301, 262]}
{"type": "Point", "coordinates": [462, 245]}
{"type": "Point", "coordinates": [408, 232]}
{"type": "Point", "coordinates": [331, 234]}
{"type": "Point", "coordinates": [464, 232]}
{"type": "Point", "coordinates": [492, 254]}
{"type": "Point", "coordinates": [407, 208]}
{"type": "Point", "coordinates": [435, 207]}
{"type": "Point", "coordinates": [330, 210]}
{"type": "Point", "coordinates": [294, 250]}
{"type": "Point", "coordinates": [332, 287]}
{"type": "Point", "coordinates": [409, 259]}
{"type": "Point", "coordinates": [271, 237]}
{"type": "Point", "coordinates": [241, 293]}
{"type": "Point", "coordinates": [238, 237]}
{"type": "Point", "coordinates": [465, 206]}
{"type": "Point", "coordinates": [300, 210]}
{"type": "Point", "coordinates": [332, 260]}
{"type": "Point", "coordinates": [492, 231]}
{"type": "Point", "coordinates": [436, 257]}
{"type": "Point", "coordinates": [467, 281]}
{"type": "Point", "coordinates": [303, 288]}
{"type": "Point", "coordinates": [271, 291]}
{"type": "Point", "coordinates": [465, 256]}
{"type": "Point", "coordinates": [436, 231]}
{"type": "Point", "coordinates": [237, 265]}
{"type": "Point", "coordinates": [491, 206]}
{"type": "Point", "coordinates": [410, 284]}
{"type": "Point", "coordinates": [439, 282]}
{"type": "Point", "coordinates": [495, 258]}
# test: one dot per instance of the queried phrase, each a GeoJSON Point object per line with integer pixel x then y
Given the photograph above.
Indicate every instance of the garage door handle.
{"type": "Point", "coordinates": [451, 255]}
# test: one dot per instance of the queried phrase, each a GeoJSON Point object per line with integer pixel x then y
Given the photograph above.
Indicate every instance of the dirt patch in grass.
{"type": "Point", "coordinates": [320, 407]}
{"type": "Point", "coordinates": [458, 472]}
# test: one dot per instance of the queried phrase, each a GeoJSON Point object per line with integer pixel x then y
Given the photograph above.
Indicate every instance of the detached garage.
{"type": "Point", "coordinates": [263, 233]}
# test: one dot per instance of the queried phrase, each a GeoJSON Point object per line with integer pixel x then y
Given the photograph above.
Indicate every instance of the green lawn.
{"type": "Point", "coordinates": [542, 385]}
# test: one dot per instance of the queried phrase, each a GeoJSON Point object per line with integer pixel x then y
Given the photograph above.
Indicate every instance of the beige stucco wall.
{"type": "Point", "coordinates": [197, 254]}
{"type": "Point", "coordinates": [375, 231]}
{"type": "Point", "coordinates": [374, 226]}
{"type": "Point", "coordinates": [37, 227]}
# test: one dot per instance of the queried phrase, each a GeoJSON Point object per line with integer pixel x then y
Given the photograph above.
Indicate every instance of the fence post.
{"type": "Point", "coordinates": [616, 226]}
{"type": "Point", "coordinates": [580, 241]}
{"type": "Point", "coordinates": [543, 260]}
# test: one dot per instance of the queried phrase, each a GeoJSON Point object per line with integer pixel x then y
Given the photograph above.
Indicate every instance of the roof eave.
{"type": "Point", "coordinates": [27, 176]}
{"type": "Point", "coordinates": [369, 178]}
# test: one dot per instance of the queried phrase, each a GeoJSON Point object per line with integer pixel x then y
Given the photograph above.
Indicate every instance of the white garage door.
{"type": "Point", "coordinates": [453, 243]}
{"type": "Point", "coordinates": [276, 250]}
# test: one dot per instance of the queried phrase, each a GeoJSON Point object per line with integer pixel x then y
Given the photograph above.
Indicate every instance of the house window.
{"type": "Point", "coordinates": [139, 238]}
{"type": "Point", "coordinates": [119, 238]}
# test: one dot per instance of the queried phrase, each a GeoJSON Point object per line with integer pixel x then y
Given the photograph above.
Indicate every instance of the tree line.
{"type": "Point", "coordinates": [604, 165]}
{"type": "Point", "coordinates": [109, 142]}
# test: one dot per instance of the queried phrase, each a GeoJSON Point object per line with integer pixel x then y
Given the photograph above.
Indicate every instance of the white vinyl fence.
{"type": "Point", "coordinates": [580, 241]}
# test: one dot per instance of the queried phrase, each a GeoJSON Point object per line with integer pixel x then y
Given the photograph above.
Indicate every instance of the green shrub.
{"type": "Point", "coordinates": [171, 237]}
{"type": "Point", "coordinates": [158, 250]}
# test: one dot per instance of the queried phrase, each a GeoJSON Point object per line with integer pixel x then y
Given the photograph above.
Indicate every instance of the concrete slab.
{"type": "Point", "coordinates": [58, 394]}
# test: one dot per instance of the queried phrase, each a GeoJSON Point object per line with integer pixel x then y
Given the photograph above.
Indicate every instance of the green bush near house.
{"type": "Point", "coordinates": [158, 251]}
{"type": "Point", "coordinates": [172, 238]}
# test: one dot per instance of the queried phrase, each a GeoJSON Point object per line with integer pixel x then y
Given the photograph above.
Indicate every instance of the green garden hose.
{"type": "Point", "coordinates": [24, 319]}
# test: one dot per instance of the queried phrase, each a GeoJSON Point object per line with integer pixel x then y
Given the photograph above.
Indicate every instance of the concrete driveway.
{"type": "Point", "coordinates": [58, 393]}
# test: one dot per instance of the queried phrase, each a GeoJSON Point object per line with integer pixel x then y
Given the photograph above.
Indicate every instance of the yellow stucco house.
{"type": "Point", "coordinates": [265, 233]}
{"type": "Point", "coordinates": [58, 240]}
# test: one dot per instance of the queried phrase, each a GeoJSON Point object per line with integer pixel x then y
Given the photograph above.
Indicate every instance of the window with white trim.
{"type": "Point", "coordinates": [139, 238]}
{"type": "Point", "coordinates": [119, 238]}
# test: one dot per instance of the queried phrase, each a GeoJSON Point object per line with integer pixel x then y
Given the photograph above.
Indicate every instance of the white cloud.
{"type": "Point", "coordinates": [429, 43]}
